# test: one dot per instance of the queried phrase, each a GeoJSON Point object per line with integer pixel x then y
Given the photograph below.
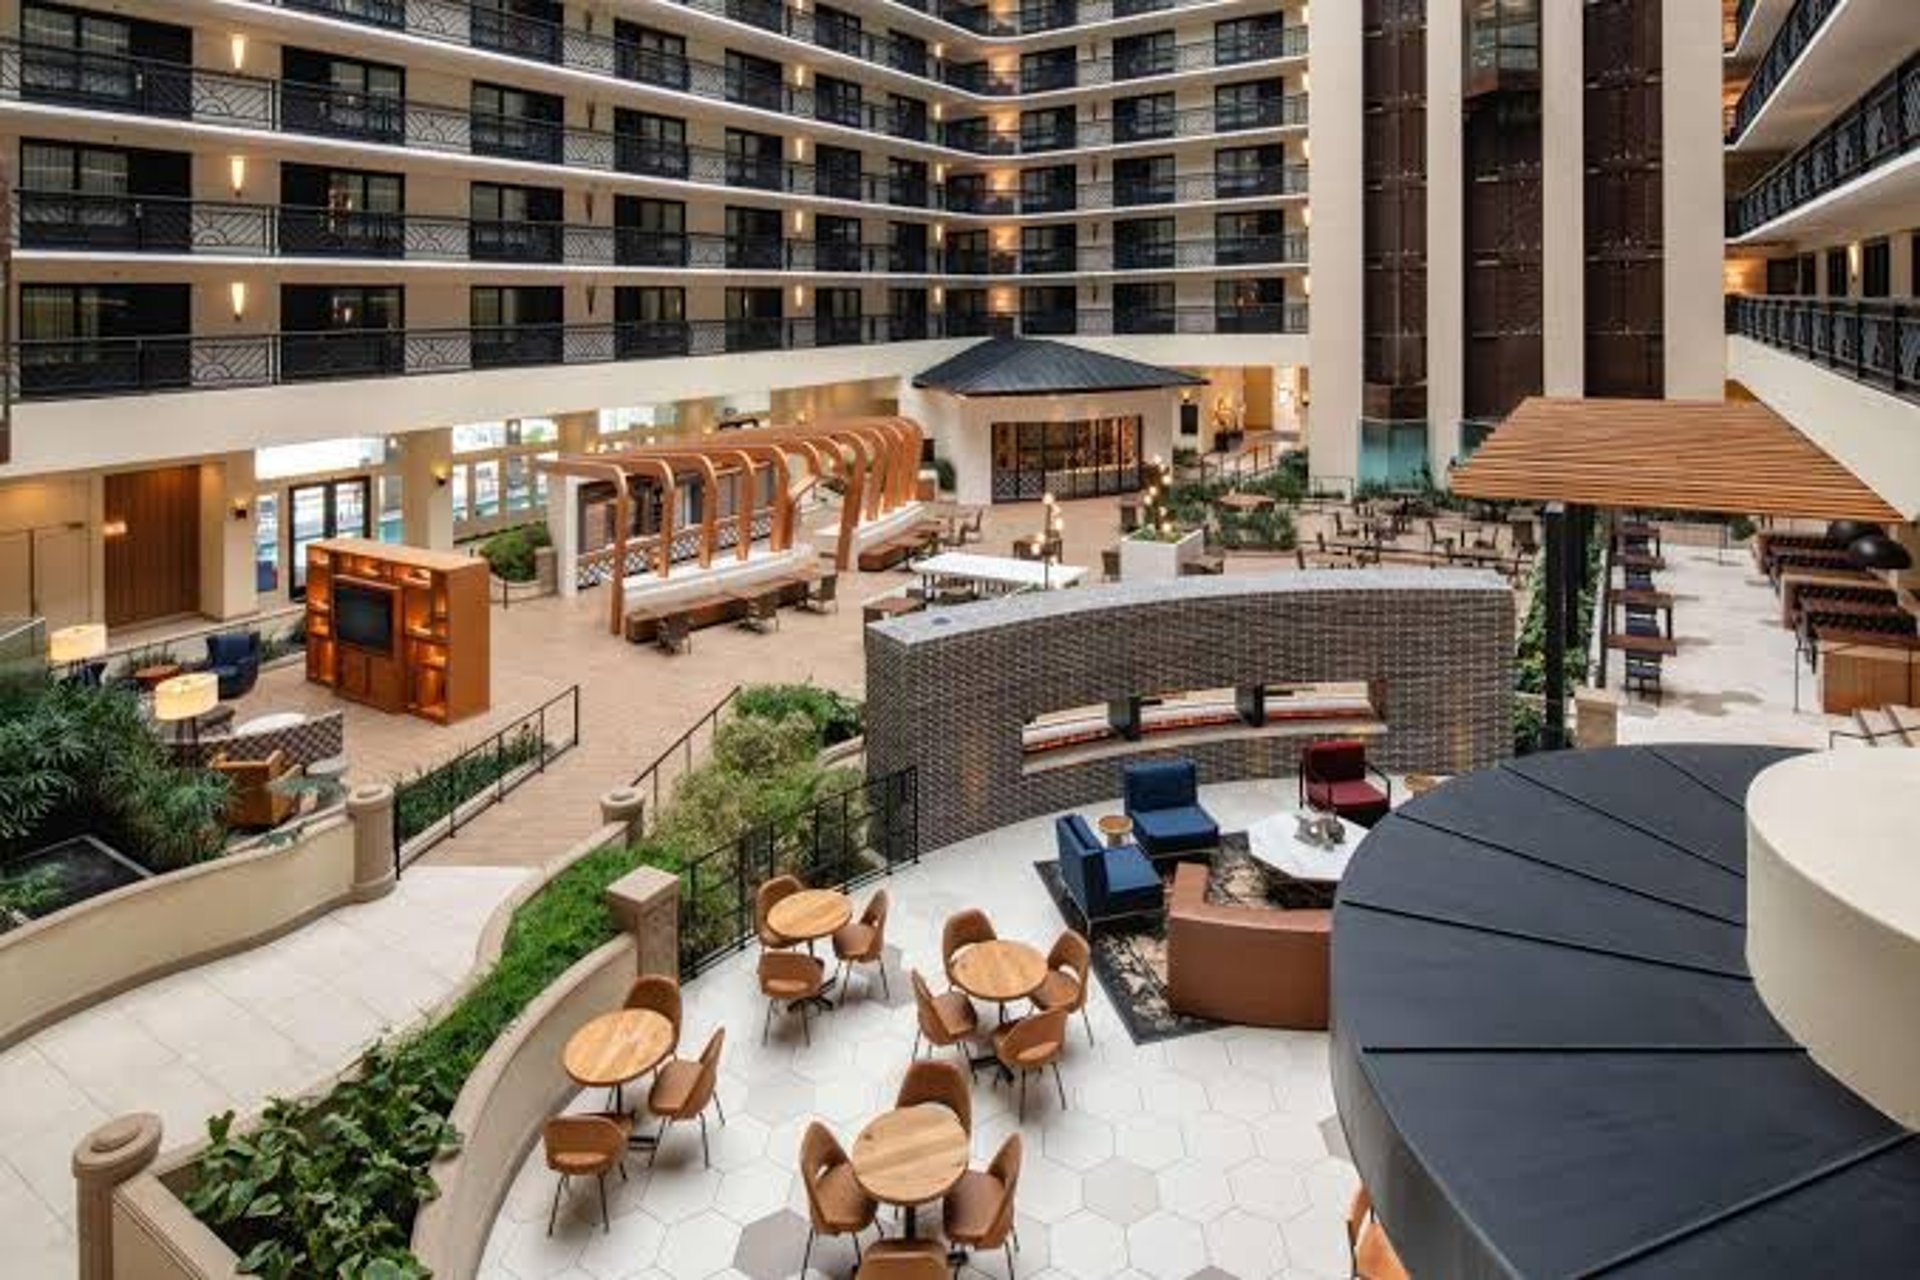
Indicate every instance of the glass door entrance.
{"type": "Point", "coordinates": [329, 509]}
{"type": "Point", "coordinates": [1085, 459]}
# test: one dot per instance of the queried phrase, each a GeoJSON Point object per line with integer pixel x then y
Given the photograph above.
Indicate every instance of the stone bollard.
{"type": "Point", "coordinates": [627, 807]}
{"type": "Point", "coordinates": [546, 569]}
{"type": "Point", "coordinates": [1596, 718]}
{"type": "Point", "coordinates": [108, 1156]}
{"type": "Point", "coordinates": [370, 808]}
{"type": "Point", "coordinates": [646, 902]}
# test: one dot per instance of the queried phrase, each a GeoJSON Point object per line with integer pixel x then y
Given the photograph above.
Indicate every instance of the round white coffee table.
{"type": "Point", "coordinates": [269, 723]}
{"type": "Point", "coordinates": [1275, 842]}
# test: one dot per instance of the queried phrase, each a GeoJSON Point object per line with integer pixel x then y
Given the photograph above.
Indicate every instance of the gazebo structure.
{"type": "Point", "coordinates": [1579, 456]}
{"type": "Point", "coordinates": [745, 486]}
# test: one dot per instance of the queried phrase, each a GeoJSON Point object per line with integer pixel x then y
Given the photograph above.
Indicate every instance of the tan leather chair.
{"type": "Point", "coordinates": [1259, 966]}
{"type": "Point", "coordinates": [764, 899]}
{"type": "Point", "coordinates": [1065, 986]}
{"type": "Point", "coordinates": [1370, 1251]}
{"type": "Point", "coordinates": [864, 941]}
{"type": "Point", "coordinates": [979, 1209]}
{"type": "Point", "coordinates": [836, 1206]}
{"type": "Point", "coordinates": [946, 1019]}
{"type": "Point", "coordinates": [792, 976]}
{"type": "Point", "coordinates": [682, 1091]}
{"type": "Point", "coordinates": [904, 1260]}
{"type": "Point", "coordinates": [963, 929]}
{"type": "Point", "coordinates": [1032, 1044]}
{"type": "Point", "coordinates": [661, 994]}
{"type": "Point", "coordinates": [928, 1080]}
{"type": "Point", "coordinates": [585, 1146]}
{"type": "Point", "coordinates": [252, 801]}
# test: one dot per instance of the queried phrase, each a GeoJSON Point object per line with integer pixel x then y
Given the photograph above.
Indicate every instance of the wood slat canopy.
{"type": "Point", "coordinates": [1738, 458]}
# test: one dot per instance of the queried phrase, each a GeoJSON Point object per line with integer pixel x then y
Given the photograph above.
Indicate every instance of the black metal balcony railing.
{"type": "Point", "coordinates": [1164, 255]}
{"type": "Point", "coordinates": [1871, 340]}
{"type": "Point", "coordinates": [977, 137]}
{"type": "Point", "coordinates": [76, 369]}
{"type": "Point", "coordinates": [1882, 126]}
{"type": "Point", "coordinates": [1796, 33]}
{"type": "Point", "coordinates": [1036, 17]}
{"type": "Point", "coordinates": [1186, 188]}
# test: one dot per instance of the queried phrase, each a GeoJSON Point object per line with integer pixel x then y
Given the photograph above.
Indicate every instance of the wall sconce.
{"type": "Point", "coordinates": [240, 509]}
{"type": "Point", "coordinates": [113, 527]}
{"type": "Point", "coordinates": [1306, 286]}
{"type": "Point", "coordinates": [799, 77]}
{"type": "Point", "coordinates": [237, 294]}
{"type": "Point", "coordinates": [237, 171]}
{"type": "Point", "coordinates": [799, 148]}
{"type": "Point", "coordinates": [799, 220]}
{"type": "Point", "coordinates": [239, 47]}
{"type": "Point", "coordinates": [441, 474]}
{"type": "Point", "coordinates": [799, 295]}
{"type": "Point", "coordinates": [939, 295]}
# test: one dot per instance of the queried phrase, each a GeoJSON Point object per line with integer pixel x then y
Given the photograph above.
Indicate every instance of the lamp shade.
{"type": "Point", "coordinates": [1844, 533]}
{"type": "Point", "coordinates": [1878, 551]}
{"type": "Point", "coordinates": [78, 643]}
{"type": "Point", "coordinates": [187, 696]}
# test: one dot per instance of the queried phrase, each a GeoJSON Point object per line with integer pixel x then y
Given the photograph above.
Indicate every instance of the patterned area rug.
{"type": "Point", "coordinates": [1130, 956]}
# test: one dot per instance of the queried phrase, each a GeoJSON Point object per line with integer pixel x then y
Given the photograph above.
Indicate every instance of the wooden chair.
{"type": "Point", "coordinates": [253, 801]}
{"type": "Point", "coordinates": [764, 898]}
{"type": "Point", "coordinates": [674, 632]}
{"type": "Point", "coordinates": [585, 1146]}
{"type": "Point", "coordinates": [822, 596]}
{"type": "Point", "coordinates": [682, 1090]}
{"type": "Point", "coordinates": [1031, 1045]}
{"type": "Point", "coordinates": [904, 1260]}
{"type": "Point", "coordinates": [762, 612]}
{"type": "Point", "coordinates": [971, 530]}
{"type": "Point", "coordinates": [792, 976]}
{"type": "Point", "coordinates": [658, 992]}
{"type": "Point", "coordinates": [1370, 1252]}
{"type": "Point", "coordinates": [1065, 986]}
{"type": "Point", "coordinates": [978, 1212]}
{"type": "Point", "coordinates": [944, 1020]}
{"type": "Point", "coordinates": [963, 929]}
{"type": "Point", "coordinates": [836, 1206]}
{"type": "Point", "coordinates": [928, 1080]}
{"type": "Point", "coordinates": [864, 941]}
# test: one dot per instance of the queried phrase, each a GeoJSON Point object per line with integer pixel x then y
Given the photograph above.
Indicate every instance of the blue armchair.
{"type": "Point", "coordinates": [234, 656]}
{"type": "Point", "coordinates": [1106, 883]}
{"type": "Point", "coordinates": [1163, 799]}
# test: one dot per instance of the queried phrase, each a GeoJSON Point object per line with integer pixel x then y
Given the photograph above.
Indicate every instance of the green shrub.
{"type": "Point", "coordinates": [433, 793]}
{"type": "Point", "coordinates": [510, 552]}
{"type": "Point", "coordinates": [943, 468]}
{"type": "Point", "coordinates": [837, 717]}
{"type": "Point", "coordinates": [80, 758]}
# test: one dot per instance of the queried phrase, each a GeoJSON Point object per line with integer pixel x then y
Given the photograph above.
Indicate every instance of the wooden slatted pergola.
{"type": "Point", "coordinates": [1733, 457]}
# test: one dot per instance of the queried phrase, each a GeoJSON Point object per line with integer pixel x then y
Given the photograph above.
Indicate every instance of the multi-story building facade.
{"type": "Point", "coordinates": [289, 268]}
{"type": "Point", "coordinates": [1823, 226]}
{"type": "Point", "coordinates": [1511, 198]}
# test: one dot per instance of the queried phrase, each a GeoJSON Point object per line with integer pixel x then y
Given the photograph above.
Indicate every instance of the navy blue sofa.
{"type": "Point", "coordinates": [1105, 882]}
{"type": "Point", "coordinates": [1163, 799]}
{"type": "Point", "coordinates": [234, 656]}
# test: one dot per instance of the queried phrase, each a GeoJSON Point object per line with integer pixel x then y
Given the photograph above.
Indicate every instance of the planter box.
{"type": "Point", "coordinates": [1142, 560]}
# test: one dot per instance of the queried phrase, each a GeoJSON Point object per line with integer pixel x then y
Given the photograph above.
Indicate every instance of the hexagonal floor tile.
{"type": "Point", "coordinates": [674, 1195]}
{"type": "Point", "coordinates": [1049, 1191]}
{"type": "Point", "coordinates": [632, 1245]}
{"type": "Point", "coordinates": [1077, 1139]}
{"type": "Point", "coordinates": [1271, 1191]}
{"type": "Point", "coordinates": [1225, 1140]}
{"type": "Point", "coordinates": [1317, 1240]}
{"type": "Point", "coordinates": [1088, 1246]}
{"type": "Point", "coordinates": [1150, 1141]}
{"type": "Point", "coordinates": [1166, 1245]}
{"type": "Point", "coordinates": [770, 1248]}
{"type": "Point", "coordinates": [758, 1189]}
{"type": "Point", "coordinates": [1246, 1244]}
{"type": "Point", "coordinates": [699, 1246]}
{"type": "Point", "coordinates": [1120, 1191]}
{"type": "Point", "coordinates": [1197, 1189]}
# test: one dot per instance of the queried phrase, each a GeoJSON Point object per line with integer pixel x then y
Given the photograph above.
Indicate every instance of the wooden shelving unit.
{"type": "Point", "coordinates": [436, 660]}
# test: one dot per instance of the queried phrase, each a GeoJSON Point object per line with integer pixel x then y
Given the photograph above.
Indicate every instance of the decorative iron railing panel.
{"type": "Point", "coordinates": [1802, 24]}
{"type": "Point", "coordinates": [1872, 340]}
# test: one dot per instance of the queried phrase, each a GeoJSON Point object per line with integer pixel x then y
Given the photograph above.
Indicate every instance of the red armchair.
{"type": "Point", "coordinates": [1333, 778]}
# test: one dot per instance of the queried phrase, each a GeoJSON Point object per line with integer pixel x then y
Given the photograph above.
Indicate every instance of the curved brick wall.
{"type": "Point", "coordinates": [947, 690]}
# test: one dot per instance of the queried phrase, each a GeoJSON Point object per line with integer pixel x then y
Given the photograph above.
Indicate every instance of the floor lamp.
{"type": "Point", "coordinates": [185, 699]}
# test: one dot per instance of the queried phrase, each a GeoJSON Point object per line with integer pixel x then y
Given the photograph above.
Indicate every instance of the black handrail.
{"type": "Point", "coordinates": [1802, 24]}
{"type": "Point", "coordinates": [1871, 340]}
{"type": "Point", "coordinates": [648, 779]}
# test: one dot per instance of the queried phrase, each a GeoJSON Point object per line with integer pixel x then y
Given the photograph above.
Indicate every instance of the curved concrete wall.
{"type": "Point", "coordinates": [948, 690]}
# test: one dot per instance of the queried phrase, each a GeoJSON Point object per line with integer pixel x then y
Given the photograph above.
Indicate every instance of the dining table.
{"type": "Point", "coordinates": [616, 1048]}
{"type": "Point", "coordinates": [809, 915]}
{"type": "Point", "coordinates": [910, 1156]}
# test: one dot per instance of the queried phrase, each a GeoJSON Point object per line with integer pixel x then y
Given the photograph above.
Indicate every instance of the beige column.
{"type": "Point", "coordinates": [1446, 237]}
{"type": "Point", "coordinates": [578, 431]}
{"type": "Point", "coordinates": [646, 903]}
{"type": "Point", "coordinates": [1334, 136]}
{"type": "Point", "coordinates": [227, 520]}
{"type": "Point", "coordinates": [370, 809]}
{"type": "Point", "coordinates": [108, 1156]}
{"type": "Point", "coordinates": [1563, 201]}
{"type": "Point", "coordinates": [426, 460]}
{"type": "Point", "coordinates": [1693, 192]}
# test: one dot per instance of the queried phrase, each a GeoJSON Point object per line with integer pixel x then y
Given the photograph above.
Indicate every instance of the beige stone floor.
{"type": "Point", "coordinates": [270, 1021]}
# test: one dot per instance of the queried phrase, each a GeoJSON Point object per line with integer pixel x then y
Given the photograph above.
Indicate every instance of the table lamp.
{"type": "Point", "coordinates": [186, 698]}
{"type": "Point", "coordinates": [75, 645]}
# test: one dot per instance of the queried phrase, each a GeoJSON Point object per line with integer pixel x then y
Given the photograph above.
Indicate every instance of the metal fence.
{"type": "Point", "coordinates": [840, 842]}
{"type": "Point", "coordinates": [433, 805]}
{"type": "Point", "coordinates": [677, 761]}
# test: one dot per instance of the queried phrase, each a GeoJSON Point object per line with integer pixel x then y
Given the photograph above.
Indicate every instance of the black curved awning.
{"type": "Point", "coordinates": [1550, 1059]}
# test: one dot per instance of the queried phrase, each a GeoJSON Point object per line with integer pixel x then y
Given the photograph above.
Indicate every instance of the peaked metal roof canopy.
{"type": "Point", "coordinates": [1034, 367]}
{"type": "Point", "coordinates": [1736, 457]}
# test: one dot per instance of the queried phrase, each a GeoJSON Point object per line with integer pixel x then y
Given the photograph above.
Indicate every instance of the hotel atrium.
{"type": "Point", "coordinates": [1196, 639]}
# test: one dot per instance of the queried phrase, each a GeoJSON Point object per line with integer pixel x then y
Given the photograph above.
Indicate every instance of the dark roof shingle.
{"type": "Point", "coordinates": [1032, 367]}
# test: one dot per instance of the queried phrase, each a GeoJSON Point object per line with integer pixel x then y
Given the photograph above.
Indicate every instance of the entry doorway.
{"type": "Point", "coordinates": [1085, 459]}
{"type": "Point", "coordinates": [46, 572]}
{"type": "Point", "coordinates": [317, 512]}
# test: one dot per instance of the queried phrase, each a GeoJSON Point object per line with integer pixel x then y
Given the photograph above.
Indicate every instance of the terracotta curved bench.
{"type": "Point", "coordinates": [1260, 966]}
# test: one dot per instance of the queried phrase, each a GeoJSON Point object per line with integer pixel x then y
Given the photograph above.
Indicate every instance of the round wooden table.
{"type": "Point", "coordinates": [615, 1048]}
{"type": "Point", "coordinates": [151, 678]}
{"type": "Point", "coordinates": [1000, 970]}
{"type": "Point", "coordinates": [910, 1156]}
{"type": "Point", "coordinates": [1115, 827]}
{"type": "Point", "coordinates": [810, 914]}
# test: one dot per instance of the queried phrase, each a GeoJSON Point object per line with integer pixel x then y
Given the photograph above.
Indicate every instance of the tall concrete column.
{"type": "Point", "coordinates": [1693, 191]}
{"type": "Point", "coordinates": [1563, 202]}
{"type": "Point", "coordinates": [426, 460]}
{"type": "Point", "coordinates": [1446, 236]}
{"type": "Point", "coordinates": [1334, 137]}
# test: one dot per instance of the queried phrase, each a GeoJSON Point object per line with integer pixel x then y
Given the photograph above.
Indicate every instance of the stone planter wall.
{"type": "Point", "coordinates": [1147, 560]}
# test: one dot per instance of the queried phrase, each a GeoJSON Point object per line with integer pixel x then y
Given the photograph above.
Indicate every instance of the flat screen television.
{"type": "Point", "coordinates": [363, 616]}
